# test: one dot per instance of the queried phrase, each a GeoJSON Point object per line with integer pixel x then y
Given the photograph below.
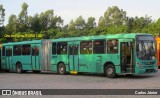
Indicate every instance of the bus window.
{"type": "Point", "coordinates": [62, 48]}
{"type": "Point", "coordinates": [75, 50]}
{"type": "Point", "coordinates": [8, 52]}
{"type": "Point", "coordinates": [3, 51]}
{"type": "Point", "coordinates": [54, 48]}
{"type": "Point", "coordinates": [112, 46]}
{"type": "Point", "coordinates": [71, 50]}
{"type": "Point", "coordinates": [86, 47]}
{"type": "Point", "coordinates": [26, 49]}
{"type": "Point", "coordinates": [99, 47]}
{"type": "Point", "coordinates": [35, 51]}
{"type": "Point", "coordinates": [17, 50]}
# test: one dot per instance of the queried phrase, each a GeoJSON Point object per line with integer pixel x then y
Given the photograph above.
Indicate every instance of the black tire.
{"type": "Point", "coordinates": [19, 68]}
{"type": "Point", "coordinates": [61, 69]}
{"type": "Point", "coordinates": [110, 71]}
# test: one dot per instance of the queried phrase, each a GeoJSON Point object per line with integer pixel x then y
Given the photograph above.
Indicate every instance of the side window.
{"type": "Point", "coordinates": [54, 48]}
{"type": "Point", "coordinates": [75, 50]}
{"type": "Point", "coordinates": [35, 51]}
{"type": "Point", "coordinates": [70, 50]}
{"type": "Point", "coordinates": [8, 52]}
{"type": "Point", "coordinates": [26, 49]}
{"type": "Point", "coordinates": [112, 46]}
{"type": "Point", "coordinates": [3, 51]}
{"type": "Point", "coordinates": [17, 50]}
{"type": "Point", "coordinates": [62, 48]}
{"type": "Point", "coordinates": [86, 47]}
{"type": "Point", "coordinates": [99, 47]}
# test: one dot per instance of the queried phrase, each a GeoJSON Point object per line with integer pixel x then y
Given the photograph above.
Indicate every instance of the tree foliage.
{"type": "Point", "coordinates": [114, 20]}
{"type": "Point", "coordinates": [2, 28]}
{"type": "Point", "coordinates": [2, 15]}
{"type": "Point", "coordinates": [115, 17]}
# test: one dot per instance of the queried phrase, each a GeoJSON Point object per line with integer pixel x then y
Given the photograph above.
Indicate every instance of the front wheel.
{"type": "Point", "coordinates": [61, 69]}
{"type": "Point", "coordinates": [110, 71]}
{"type": "Point", "coordinates": [19, 68]}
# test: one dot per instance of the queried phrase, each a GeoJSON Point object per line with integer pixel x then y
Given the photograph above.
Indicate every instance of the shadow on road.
{"type": "Point", "coordinates": [118, 76]}
{"type": "Point", "coordinates": [88, 75]}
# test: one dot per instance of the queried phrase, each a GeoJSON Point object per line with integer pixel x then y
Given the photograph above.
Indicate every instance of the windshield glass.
{"type": "Point", "coordinates": [146, 49]}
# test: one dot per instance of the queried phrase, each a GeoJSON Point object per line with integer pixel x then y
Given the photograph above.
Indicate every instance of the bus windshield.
{"type": "Point", "coordinates": [146, 48]}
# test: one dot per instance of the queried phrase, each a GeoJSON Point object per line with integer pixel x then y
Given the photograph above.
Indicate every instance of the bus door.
{"type": "Point", "coordinates": [126, 54]}
{"type": "Point", "coordinates": [73, 57]}
{"type": "Point", "coordinates": [35, 60]}
{"type": "Point", "coordinates": [9, 58]}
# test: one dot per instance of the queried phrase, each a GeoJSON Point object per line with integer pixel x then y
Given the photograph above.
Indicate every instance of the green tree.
{"type": "Point", "coordinates": [46, 19]}
{"type": "Point", "coordinates": [90, 27]}
{"type": "Point", "coordinates": [115, 17]}
{"type": "Point", "coordinates": [101, 22]}
{"type": "Point", "coordinates": [23, 14]}
{"type": "Point", "coordinates": [34, 23]}
{"type": "Point", "coordinates": [138, 24]}
{"type": "Point", "coordinates": [23, 18]}
{"type": "Point", "coordinates": [2, 15]}
{"type": "Point", "coordinates": [2, 28]}
{"type": "Point", "coordinates": [49, 21]}
{"type": "Point", "coordinates": [91, 23]}
{"type": "Point", "coordinates": [113, 21]}
{"type": "Point", "coordinates": [12, 26]}
{"type": "Point", "coordinates": [71, 28]}
{"type": "Point", "coordinates": [71, 25]}
{"type": "Point", "coordinates": [153, 28]}
{"type": "Point", "coordinates": [80, 23]}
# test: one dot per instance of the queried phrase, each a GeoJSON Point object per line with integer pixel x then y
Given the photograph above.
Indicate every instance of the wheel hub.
{"type": "Point", "coordinates": [61, 69]}
{"type": "Point", "coordinates": [110, 71]}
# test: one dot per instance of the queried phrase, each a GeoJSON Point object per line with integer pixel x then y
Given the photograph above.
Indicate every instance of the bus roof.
{"type": "Point", "coordinates": [109, 36]}
{"type": "Point", "coordinates": [23, 42]}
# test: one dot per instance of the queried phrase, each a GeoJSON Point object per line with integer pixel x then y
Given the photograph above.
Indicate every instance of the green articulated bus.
{"type": "Point", "coordinates": [111, 55]}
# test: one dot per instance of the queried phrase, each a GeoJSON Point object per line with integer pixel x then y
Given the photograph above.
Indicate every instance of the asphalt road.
{"type": "Point", "coordinates": [81, 81]}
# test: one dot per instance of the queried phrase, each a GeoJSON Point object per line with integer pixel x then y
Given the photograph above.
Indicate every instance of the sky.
{"type": "Point", "coordinates": [71, 9]}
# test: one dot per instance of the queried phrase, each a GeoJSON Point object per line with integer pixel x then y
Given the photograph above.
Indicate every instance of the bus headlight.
{"type": "Point", "coordinates": [139, 65]}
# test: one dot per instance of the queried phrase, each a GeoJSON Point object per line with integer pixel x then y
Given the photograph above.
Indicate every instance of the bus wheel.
{"type": "Point", "coordinates": [61, 69]}
{"type": "Point", "coordinates": [110, 71]}
{"type": "Point", "coordinates": [19, 68]}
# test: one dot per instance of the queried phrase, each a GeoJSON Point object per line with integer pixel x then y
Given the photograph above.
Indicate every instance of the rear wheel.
{"type": "Point", "coordinates": [19, 68]}
{"type": "Point", "coordinates": [110, 71]}
{"type": "Point", "coordinates": [61, 69]}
